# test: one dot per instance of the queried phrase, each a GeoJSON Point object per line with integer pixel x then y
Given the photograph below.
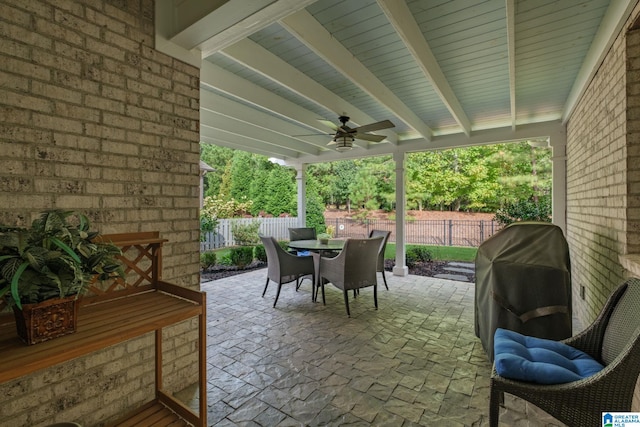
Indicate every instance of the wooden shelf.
{"type": "Point", "coordinates": [111, 319]}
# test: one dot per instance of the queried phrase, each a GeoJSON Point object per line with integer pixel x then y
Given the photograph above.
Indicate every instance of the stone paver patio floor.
{"type": "Point", "coordinates": [414, 361]}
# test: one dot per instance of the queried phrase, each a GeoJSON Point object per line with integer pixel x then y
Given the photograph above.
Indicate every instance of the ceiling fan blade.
{"type": "Point", "coordinates": [369, 137]}
{"type": "Point", "coordinates": [385, 124]}
{"type": "Point", "coordinates": [313, 134]}
{"type": "Point", "coordinates": [328, 124]}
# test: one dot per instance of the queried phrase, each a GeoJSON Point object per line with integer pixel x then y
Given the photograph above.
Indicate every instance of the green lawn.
{"type": "Point", "coordinates": [439, 253]}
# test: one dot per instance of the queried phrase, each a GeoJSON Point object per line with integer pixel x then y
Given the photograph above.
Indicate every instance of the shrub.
{"type": "Point", "coordinates": [246, 234]}
{"type": "Point", "coordinates": [259, 253]}
{"type": "Point", "coordinates": [207, 259]}
{"type": "Point", "coordinates": [226, 260]}
{"type": "Point", "coordinates": [284, 245]}
{"type": "Point", "coordinates": [525, 210]}
{"type": "Point", "coordinates": [417, 254]}
{"type": "Point", "coordinates": [242, 256]}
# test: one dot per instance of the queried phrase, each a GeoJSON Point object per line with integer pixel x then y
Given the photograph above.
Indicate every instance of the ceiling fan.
{"type": "Point", "coordinates": [345, 135]}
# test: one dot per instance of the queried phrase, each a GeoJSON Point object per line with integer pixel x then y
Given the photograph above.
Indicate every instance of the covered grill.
{"type": "Point", "coordinates": [523, 283]}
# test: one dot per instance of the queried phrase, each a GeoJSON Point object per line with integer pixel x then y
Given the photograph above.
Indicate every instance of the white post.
{"type": "Point", "coordinates": [302, 195]}
{"type": "Point", "coordinates": [400, 269]}
{"type": "Point", "coordinates": [558, 142]}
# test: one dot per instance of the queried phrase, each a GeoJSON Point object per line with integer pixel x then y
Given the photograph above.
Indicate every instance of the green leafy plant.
{"type": "Point", "coordinates": [323, 236]}
{"type": "Point", "coordinates": [525, 210]}
{"type": "Point", "coordinates": [207, 259]}
{"type": "Point", "coordinates": [417, 254]}
{"type": "Point", "coordinates": [260, 253]}
{"type": "Point", "coordinates": [242, 256]}
{"type": "Point", "coordinates": [246, 234]}
{"type": "Point", "coordinates": [225, 259]}
{"type": "Point", "coordinates": [56, 257]}
{"type": "Point", "coordinates": [284, 244]}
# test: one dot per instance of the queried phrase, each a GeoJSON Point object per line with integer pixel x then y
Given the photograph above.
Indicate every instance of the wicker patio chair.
{"type": "Point", "coordinates": [385, 235]}
{"type": "Point", "coordinates": [613, 340]}
{"type": "Point", "coordinates": [353, 268]}
{"type": "Point", "coordinates": [302, 233]}
{"type": "Point", "coordinates": [283, 267]}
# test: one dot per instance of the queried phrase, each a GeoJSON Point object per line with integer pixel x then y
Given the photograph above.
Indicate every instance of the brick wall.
{"type": "Point", "coordinates": [602, 217]}
{"type": "Point", "coordinates": [93, 119]}
{"type": "Point", "coordinates": [633, 141]}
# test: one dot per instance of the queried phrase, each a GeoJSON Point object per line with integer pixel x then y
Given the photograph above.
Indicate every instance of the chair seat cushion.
{"type": "Point", "coordinates": [538, 360]}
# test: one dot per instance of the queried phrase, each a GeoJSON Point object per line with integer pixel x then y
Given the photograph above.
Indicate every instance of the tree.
{"type": "Point", "coordinates": [217, 158]}
{"type": "Point", "coordinates": [344, 172]}
{"type": "Point", "coordinates": [482, 178]}
{"type": "Point", "coordinates": [280, 192]}
{"type": "Point", "coordinates": [242, 170]}
{"type": "Point", "coordinates": [315, 206]}
{"type": "Point", "coordinates": [363, 190]}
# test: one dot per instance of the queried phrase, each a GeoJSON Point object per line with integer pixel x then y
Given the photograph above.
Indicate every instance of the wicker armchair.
{"type": "Point", "coordinates": [385, 235]}
{"type": "Point", "coordinates": [304, 233]}
{"type": "Point", "coordinates": [353, 268]}
{"type": "Point", "coordinates": [282, 267]}
{"type": "Point", "coordinates": [613, 340]}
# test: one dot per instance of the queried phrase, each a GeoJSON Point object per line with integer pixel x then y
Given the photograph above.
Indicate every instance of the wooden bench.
{"type": "Point", "coordinates": [116, 312]}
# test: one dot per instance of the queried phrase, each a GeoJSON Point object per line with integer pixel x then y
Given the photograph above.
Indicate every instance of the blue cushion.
{"type": "Point", "coordinates": [304, 253]}
{"type": "Point", "coordinates": [538, 360]}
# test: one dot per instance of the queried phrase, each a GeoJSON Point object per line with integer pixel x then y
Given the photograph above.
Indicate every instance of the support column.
{"type": "Point", "coordinates": [302, 195]}
{"type": "Point", "coordinates": [400, 269]}
{"type": "Point", "coordinates": [558, 142]}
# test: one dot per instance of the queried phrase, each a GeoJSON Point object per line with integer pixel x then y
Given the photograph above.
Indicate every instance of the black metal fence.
{"type": "Point", "coordinates": [445, 232]}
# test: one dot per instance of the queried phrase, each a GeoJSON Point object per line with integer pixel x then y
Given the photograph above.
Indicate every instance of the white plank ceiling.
{"type": "Point", "coordinates": [446, 73]}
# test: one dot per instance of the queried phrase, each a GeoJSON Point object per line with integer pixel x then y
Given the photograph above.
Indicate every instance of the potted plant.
{"type": "Point", "coordinates": [323, 238]}
{"type": "Point", "coordinates": [44, 268]}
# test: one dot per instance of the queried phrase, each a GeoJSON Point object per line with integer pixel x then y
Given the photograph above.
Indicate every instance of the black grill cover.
{"type": "Point", "coordinates": [523, 283]}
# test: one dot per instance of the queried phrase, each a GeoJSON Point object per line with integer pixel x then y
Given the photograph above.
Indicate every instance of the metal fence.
{"type": "Point", "coordinates": [446, 232]}
{"type": "Point", "coordinates": [426, 232]}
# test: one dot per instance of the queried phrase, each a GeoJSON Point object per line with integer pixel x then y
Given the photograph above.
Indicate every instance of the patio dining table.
{"type": "Point", "coordinates": [315, 245]}
{"type": "Point", "coordinates": [332, 246]}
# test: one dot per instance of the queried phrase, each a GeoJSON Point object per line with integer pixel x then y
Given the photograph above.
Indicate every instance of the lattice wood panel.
{"type": "Point", "coordinates": [141, 261]}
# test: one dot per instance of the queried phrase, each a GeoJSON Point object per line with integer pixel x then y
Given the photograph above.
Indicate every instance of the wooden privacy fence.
{"type": "Point", "coordinates": [440, 232]}
{"type": "Point", "coordinates": [223, 237]}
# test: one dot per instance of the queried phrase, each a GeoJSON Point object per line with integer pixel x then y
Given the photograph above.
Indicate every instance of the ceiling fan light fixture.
{"type": "Point", "coordinates": [344, 143]}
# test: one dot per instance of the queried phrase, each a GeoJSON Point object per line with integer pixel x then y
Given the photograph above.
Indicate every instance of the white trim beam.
{"type": "Point", "coordinates": [226, 16]}
{"type": "Point", "coordinates": [254, 56]}
{"type": "Point", "coordinates": [610, 26]}
{"type": "Point", "coordinates": [229, 124]}
{"type": "Point", "coordinates": [210, 101]}
{"type": "Point", "coordinates": [226, 82]}
{"type": "Point", "coordinates": [309, 31]}
{"type": "Point", "coordinates": [511, 49]}
{"type": "Point", "coordinates": [251, 24]}
{"type": "Point", "coordinates": [552, 129]}
{"type": "Point", "coordinates": [407, 28]}
{"type": "Point", "coordinates": [210, 135]}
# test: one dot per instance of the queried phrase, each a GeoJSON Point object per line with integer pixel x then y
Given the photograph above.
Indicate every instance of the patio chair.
{"type": "Point", "coordinates": [302, 233]}
{"type": "Point", "coordinates": [385, 235]}
{"type": "Point", "coordinates": [283, 267]}
{"type": "Point", "coordinates": [613, 340]}
{"type": "Point", "coordinates": [353, 268]}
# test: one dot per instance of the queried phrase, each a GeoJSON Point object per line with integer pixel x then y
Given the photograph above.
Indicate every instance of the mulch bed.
{"type": "Point", "coordinates": [428, 269]}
